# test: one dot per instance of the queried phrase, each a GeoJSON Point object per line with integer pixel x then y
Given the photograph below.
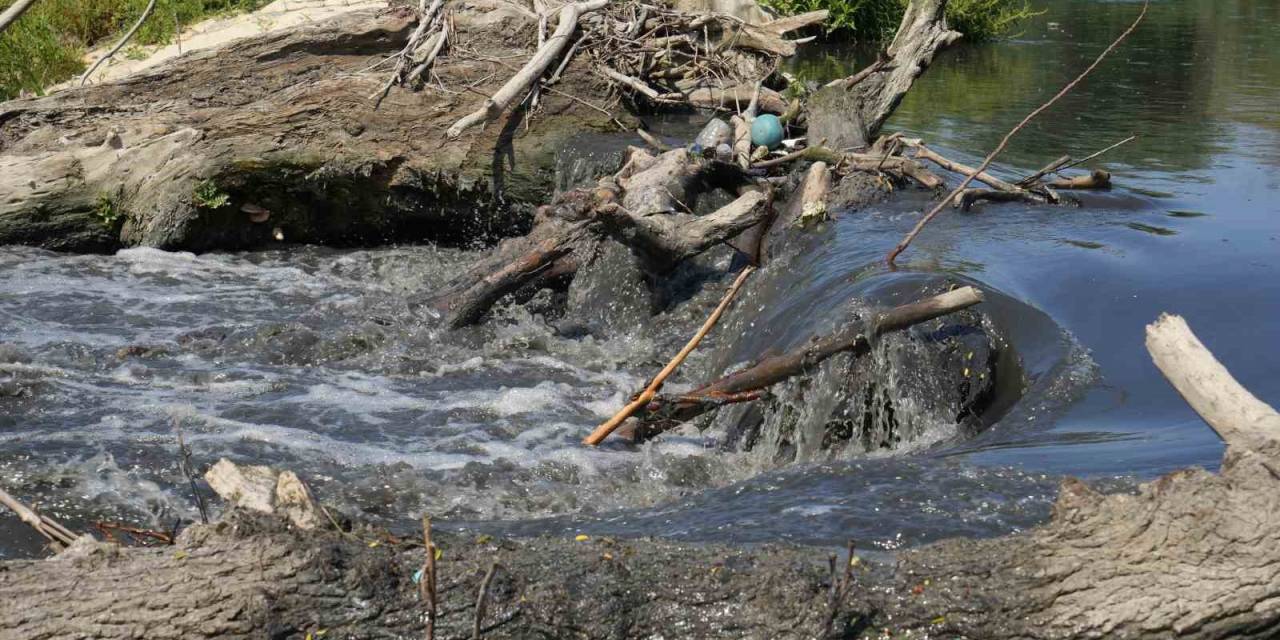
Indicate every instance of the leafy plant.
{"type": "Point", "coordinates": [47, 45]}
{"type": "Point", "coordinates": [208, 196]}
{"type": "Point", "coordinates": [108, 212]}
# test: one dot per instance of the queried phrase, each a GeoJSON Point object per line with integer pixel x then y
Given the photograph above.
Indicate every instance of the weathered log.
{"type": "Point", "coordinates": [849, 117]}
{"type": "Point", "coordinates": [282, 121]}
{"type": "Point", "coordinates": [667, 240]}
{"type": "Point", "coordinates": [1192, 555]}
{"type": "Point", "coordinates": [734, 98]}
{"type": "Point", "coordinates": [469, 306]}
{"type": "Point", "coordinates": [1231, 410]}
{"type": "Point", "coordinates": [970, 197]}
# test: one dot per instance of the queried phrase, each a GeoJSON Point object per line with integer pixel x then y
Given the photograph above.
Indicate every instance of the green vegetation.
{"type": "Point", "coordinates": [208, 196]}
{"type": "Point", "coordinates": [108, 212]}
{"type": "Point", "coordinates": [877, 19]}
{"type": "Point", "coordinates": [48, 43]}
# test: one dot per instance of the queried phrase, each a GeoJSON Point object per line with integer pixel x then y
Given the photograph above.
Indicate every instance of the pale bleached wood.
{"type": "Point", "coordinates": [14, 11]}
{"type": "Point", "coordinates": [1231, 410]}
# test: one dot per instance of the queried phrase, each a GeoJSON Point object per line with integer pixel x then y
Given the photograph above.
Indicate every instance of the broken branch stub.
{"type": "Point", "coordinates": [1239, 417]}
{"type": "Point", "coordinates": [849, 115]}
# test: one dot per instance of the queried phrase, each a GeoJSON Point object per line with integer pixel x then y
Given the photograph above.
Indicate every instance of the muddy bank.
{"type": "Point", "coordinates": [276, 137]}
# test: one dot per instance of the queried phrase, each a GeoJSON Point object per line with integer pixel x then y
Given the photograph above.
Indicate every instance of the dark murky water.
{"type": "Point", "coordinates": [310, 359]}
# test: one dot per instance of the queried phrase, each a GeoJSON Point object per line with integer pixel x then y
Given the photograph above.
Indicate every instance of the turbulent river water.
{"type": "Point", "coordinates": [313, 359]}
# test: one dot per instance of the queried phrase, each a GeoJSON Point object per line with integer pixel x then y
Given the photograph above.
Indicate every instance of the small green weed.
{"type": "Point", "coordinates": [108, 212]}
{"type": "Point", "coordinates": [208, 196]}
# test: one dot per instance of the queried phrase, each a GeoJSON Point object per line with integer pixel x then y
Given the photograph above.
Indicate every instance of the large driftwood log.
{"type": "Point", "coordinates": [849, 115]}
{"type": "Point", "coordinates": [178, 156]}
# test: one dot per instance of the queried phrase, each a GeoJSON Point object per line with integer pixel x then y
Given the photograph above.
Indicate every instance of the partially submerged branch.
{"type": "Point", "coordinates": [986, 162]}
{"type": "Point", "coordinates": [749, 383]}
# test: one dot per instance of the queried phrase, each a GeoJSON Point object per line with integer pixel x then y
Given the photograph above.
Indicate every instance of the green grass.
{"type": "Point", "coordinates": [47, 44]}
{"type": "Point", "coordinates": [878, 19]}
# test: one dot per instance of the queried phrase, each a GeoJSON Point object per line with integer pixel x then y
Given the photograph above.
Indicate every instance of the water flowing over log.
{"type": "Point", "coordinates": [747, 384]}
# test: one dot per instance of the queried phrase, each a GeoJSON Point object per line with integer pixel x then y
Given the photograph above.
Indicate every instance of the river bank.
{"type": "Point", "coordinates": [365, 418]}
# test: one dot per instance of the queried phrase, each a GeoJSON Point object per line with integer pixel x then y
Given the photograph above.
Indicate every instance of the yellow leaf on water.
{"type": "Point", "coordinates": [180, 555]}
{"type": "Point", "coordinates": [439, 553]}
{"type": "Point", "coordinates": [374, 544]}
{"type": "Point", "coordinates": [938, 620]}
{"type": "Point", "coordinates": [582, 537]}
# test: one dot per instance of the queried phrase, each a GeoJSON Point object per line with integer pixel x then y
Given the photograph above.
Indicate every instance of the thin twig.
{"type": "Point", "coordinates": [184, 462]}
{"type": "Point", "coordinates": [143, 18]}
{"type": "Point", "coordinates": [1089, 157]}
{"type": "Point", "coordinates": [482, 601]}
{"type": "Point", "coordinates": [937, 209]}
{"type": "Point", "coordinates": [427, 583]}
{"type": "Point", "coordinates": [650, 391]}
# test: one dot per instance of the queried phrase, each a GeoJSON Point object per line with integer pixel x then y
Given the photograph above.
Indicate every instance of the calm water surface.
{"type": "Point", "coordinates": [311, 359]}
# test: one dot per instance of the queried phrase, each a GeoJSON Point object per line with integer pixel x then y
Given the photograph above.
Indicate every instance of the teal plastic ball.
{"type": "Point", "coordinates": [766, 131]}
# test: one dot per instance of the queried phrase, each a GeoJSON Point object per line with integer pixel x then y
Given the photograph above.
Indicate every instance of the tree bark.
{"type": "Point", "coordinates": [1192, 555]}
{"type": "Point", "coordinates": [848, 116]}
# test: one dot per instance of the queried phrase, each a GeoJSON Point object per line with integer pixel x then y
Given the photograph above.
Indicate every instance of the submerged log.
{"type": "Point", "coordinates": [746, 385]}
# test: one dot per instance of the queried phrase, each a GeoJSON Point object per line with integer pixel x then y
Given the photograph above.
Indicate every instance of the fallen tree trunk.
{"type": "Point", "coordinates": [274, 136]}
{"type": "Point", "coordinates": [848, 115]}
